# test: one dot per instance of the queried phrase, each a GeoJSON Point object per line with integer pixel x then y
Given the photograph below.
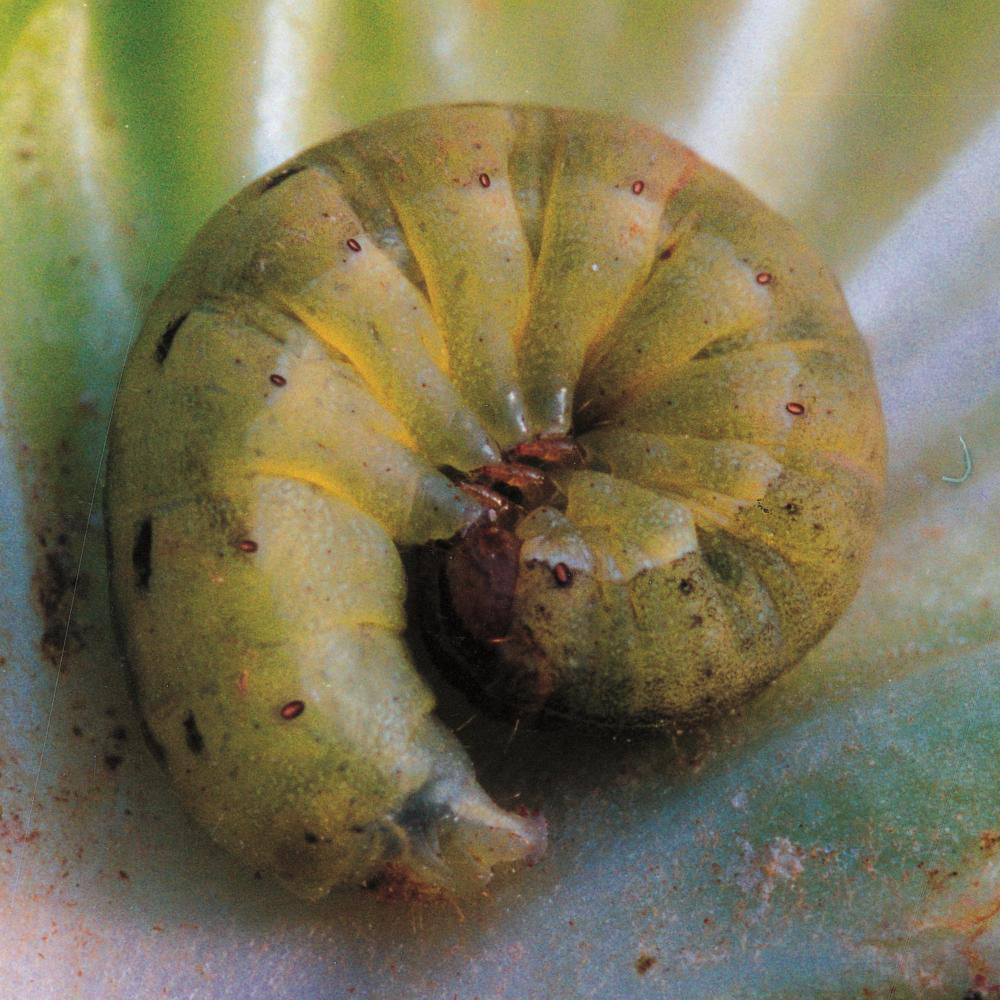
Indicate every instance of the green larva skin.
{"type": "Point", "coordinates": [346, 343]}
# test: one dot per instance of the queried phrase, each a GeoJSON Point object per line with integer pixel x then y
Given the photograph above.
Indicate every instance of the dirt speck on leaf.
{"type": "Point", "coordinates": [644, 963]}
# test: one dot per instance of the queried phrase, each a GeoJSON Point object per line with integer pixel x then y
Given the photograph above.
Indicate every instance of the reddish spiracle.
{"type": "Point", "coordinates": [293, 709]}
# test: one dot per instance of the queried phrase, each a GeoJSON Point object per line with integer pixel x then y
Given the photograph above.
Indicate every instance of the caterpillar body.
{"type": "Point", "coordinates": [614, 404]}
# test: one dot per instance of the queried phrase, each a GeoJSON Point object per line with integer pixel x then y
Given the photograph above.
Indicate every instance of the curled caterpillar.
{"type": "Point", "coordinates": [597, 406]}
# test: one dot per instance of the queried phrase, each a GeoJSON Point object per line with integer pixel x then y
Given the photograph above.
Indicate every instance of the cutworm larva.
{"type": "Point", "coordinates": [607, 412]}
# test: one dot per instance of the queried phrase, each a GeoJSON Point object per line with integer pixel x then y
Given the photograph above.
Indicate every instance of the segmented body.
{"type": "Point", "coordinates": [378, 343]}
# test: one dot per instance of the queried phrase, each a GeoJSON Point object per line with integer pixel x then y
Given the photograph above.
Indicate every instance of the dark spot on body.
{"type": "Point", "coordinates": [792, 507]}
{"type": "Point", "coordinates": [292, 709]}
{"type": "Point", "coordinates": [280, 176]}
{"type": "Point", "coordinates": [666, 253]}
{"type": "Point", "coordinates": [166, 340]}
{"type": "Point", "coordinates": [696, 620]}
{"type": "Point", "coordinates": [119, 733]}
{"type": "Point", "coordinates": [311, 838]}
{"type": "Point", "coordinates": [685, 586]}
{"type": "Point", "coordinates": [192, 737]}
{"type": "Point", "coordinates": [142, 554]}
{"type": "Point", "coordinates": [112, 761]}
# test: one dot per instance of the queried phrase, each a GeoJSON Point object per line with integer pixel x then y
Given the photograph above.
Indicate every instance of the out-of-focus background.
{"type": "Point", "coordinates": [841, 837]}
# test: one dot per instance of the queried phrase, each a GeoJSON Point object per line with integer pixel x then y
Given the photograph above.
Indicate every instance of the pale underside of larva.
{"type": "Point", "coordinates": [613, 402]}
